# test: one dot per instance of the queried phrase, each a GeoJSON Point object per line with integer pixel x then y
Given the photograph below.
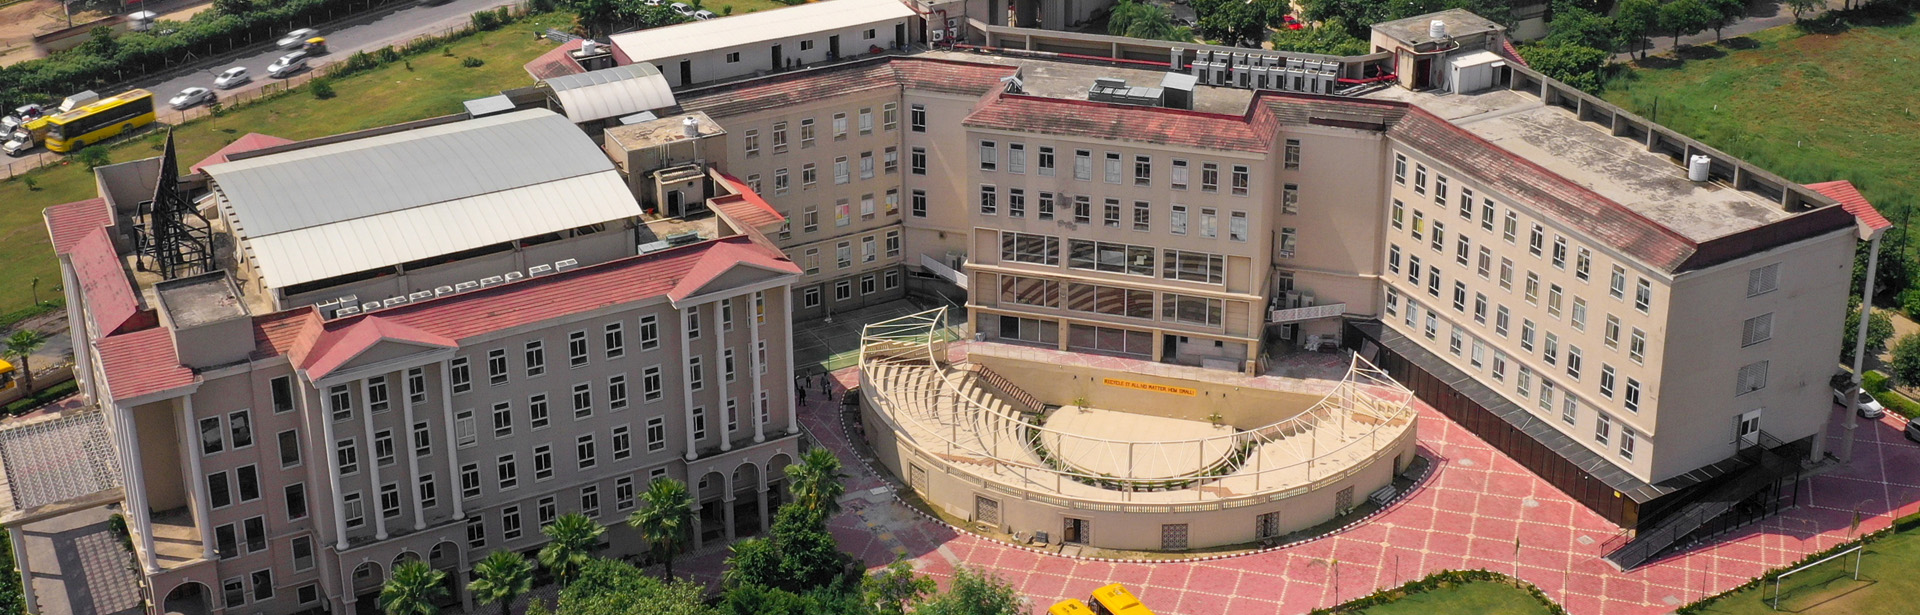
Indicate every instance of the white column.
{"type": "Point", "coordinates": [1859, 357]}
{"type": "Point", "coordinates": [686, 378]}
{"type": "Point", "coordinates": [20, 561]}
{"type": "Point", "coordinates": [413, 461]}
{"type": "Point", "coordinates": [786, 315]}
{"type": "Point", "coordinates": [372, 461]}
{"type": "Point", "coordinates": [753, 363]}
{"type": "Point", "coordinates": [137, 488]}
{"type": "Point", "coordinates": [453, 443]}
{"type": "Point", "coordinates": [198, 476]}
{"type": "Point", "coordinates": [725, 388]}
{"type": "Point", "coordinates": [332, 456]}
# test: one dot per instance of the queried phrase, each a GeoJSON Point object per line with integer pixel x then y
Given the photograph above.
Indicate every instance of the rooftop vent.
{"type": "Point", "coordinates": [1108, 89]}
{"type": "Point", "coordinates": [692, 126]}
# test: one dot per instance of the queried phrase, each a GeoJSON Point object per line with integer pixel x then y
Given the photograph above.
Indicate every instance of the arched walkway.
{"type": "Point", "coordinates": [746, 499]}
{"type": "Point", "coordinates": [189, 598]}
{"type": "Point", "coordinates": [710, 516]}
{"type": "Point", "coordinates": [366, 588]}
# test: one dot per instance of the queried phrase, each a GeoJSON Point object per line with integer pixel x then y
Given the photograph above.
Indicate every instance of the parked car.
{"type": "Point", "coordinates": [22, 115]}
{"type": "Point", "coordinates": [287, 64]}
{"type": "Point", "coordinates": [1913, 429]}
{"type": "Point", "coordinates": [704, 15]}
{"type": "Point", "coordinates": [297, 38]}
{"type": "Point", "coordinates": [653, 2]}
{"type": "Point", "coordinates": [1870, 408]}
{"type": "Point", "coordinates": [17, 144]}
{"type": "Point", "coordinates": [192, 96]}
{"type": "Point", "coordinates": [232, 78]}
{"type": "Point", "coordinates": [682, 9]}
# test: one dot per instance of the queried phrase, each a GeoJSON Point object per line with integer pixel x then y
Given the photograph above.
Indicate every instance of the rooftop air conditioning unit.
{"type": "Point", "coordinates": [369, 306]}
{"type": "Point", "coordinates": [490, 281]}
{"type": "Point", "coordinates": [442, 290]}
{"type": "Point", "coordinates": [349, 300]}
{"type": "Point", "coordinates": [465, 286]}
{"type": "Point", "coordinates": [539, 270]}
{"type": "Point", "coordinates": [347, 311]}
{"type": "Point", "coordinates": [393, 301]}
{"type": "Point", "coordinates": [420, 296]}
{"type": "Point", "coordinates": [565, 264]}
{"type": "Point", "coordinates": [514, 275]}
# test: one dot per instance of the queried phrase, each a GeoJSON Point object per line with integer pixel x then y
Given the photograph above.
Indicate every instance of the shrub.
{"type": "Point", "coordinates": [94, 156]}
{"type": "Point", "coordinates": [387, 54]}
{"type": "Point", "coordinates": [321, 89]}
{"type": "Point", "coordinates": [1898, 404]}
{"type": "Point", "coordinates": [1874, 382]}
{"type": "Point", "coordinates": [1906, 359]}
{"type": "Point", "coordinates": [33, 185]}
{"type": "Point", "coordinates": [472, 62]}
{"type": "Point", "coordinates": [1910, 303]}
{"type": "Point", "coordinates": [726, 9]}
{"type": "Point", "coordinates": [485, 20]}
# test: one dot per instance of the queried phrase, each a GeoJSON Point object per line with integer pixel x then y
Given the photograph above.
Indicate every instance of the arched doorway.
{"type": "Point", "coordinates": [445, 557]}
{"type": "Point", "coordinates": [747, 520]}
{"type": "Point", "coordinates": [366, 588]}
{"type": "Point", "coordinates": [189, 598]}
{"type": "Point", "coordinates": [709, 495]}
{"type": "Point", "coordinates": [777, 481]}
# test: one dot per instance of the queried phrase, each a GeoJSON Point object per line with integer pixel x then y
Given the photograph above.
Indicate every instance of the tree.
{"type": "Point", "coordinates": [413, 589]}
{"type": "Point", "coordinates": [1879, 330]}
{"type": "Point", "coordinates": [1906, 359]}
{"type": "Point", "coordinates": [20, 348]}
{"type": "Point", "coordinates": [1141, 20]}
{"type": "Point", "coordinates": [895, 588]}
{"type": "Point", "coordinates": [816, 483]}
{"type": "Point", "coordinates": [502, 577]}
{"type": "Point", "coordinates": [1328, 38]}
{"type": "Point", "coordinates": [1725, 13]}
{"type": "Point", "coordinates": [1573, 65]}
{"type": "Point", "coordinates": [1230, 21]}
{"type": "Point", "coordinates": [798, 555]}
{"type": "Point", "coordinates": [570, 543]}
{"type": "Point", "coordinates": [1633, 20]}
{"type": "Point", "coordinates": [975, 593]}
{"type": "Point", "coordinates": [233, 7]}
{"type": "Point", "coordinates": [1683, 17]}
{"type": "Point", "coordinates": [1356, 16]}
{"type": "Point", "coordinates": [613, 587]}
{"type": "Point", "coordinates": [1801, 7]}
{"type": "Point", "coordinates": [1889, 277]}
{"type": "Point", "coordinates": [598, 16]}
{"type": "Point", "coordinates": [664, 520]}
{"type": "Point", "coordinates": [1573, 25]}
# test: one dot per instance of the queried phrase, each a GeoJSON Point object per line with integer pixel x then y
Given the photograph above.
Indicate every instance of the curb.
{"type": "Point", "coordinates": [1400, 498]}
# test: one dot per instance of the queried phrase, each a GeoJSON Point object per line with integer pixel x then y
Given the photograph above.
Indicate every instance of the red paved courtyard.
{"type": "Point", "coordinates": [1467, 514]}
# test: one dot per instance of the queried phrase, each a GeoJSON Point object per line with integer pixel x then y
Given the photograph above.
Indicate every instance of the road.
{"type": "Point", "coordinates": [357, 34]}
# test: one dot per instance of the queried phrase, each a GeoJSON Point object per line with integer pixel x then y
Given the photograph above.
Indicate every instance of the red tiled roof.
{"type": "Point", "coordinates": [801, 87]}
{"type": "Point", "coordinates": [109, 295]}
{"type": "Point", "coordinates": [247, 143]}
{"type": "Point", "coordinates": [1855, 203]}
{"type": "Point", "coordinates": [723, 257]}
{"type": "Point", "coordinates": [1611, 222]}
{"type": "Point", "coordinates": [556, 62]}
{"type": "Point", "coordinates": [142, 363]}
{"type": "Point", "coordinates": [1097, 120]}
{"type": "Point", "coordinates": [281, 333]}
{"type": "Point", "coordinates": [747, 207]}
{"type": "Point", "coordinates": [336, 347]}
{"type": "Point", "coordinates": [67, 224]}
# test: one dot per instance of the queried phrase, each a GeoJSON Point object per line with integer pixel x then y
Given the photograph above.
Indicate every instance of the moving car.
{"type": "Point", "coordinates": [297, 38]}
{"type": "Point", "coordinates": [232, 78]}
{"type": "Point", "coordinates": [192, 96]}
{"type": "Point", "coordinates": [22, 115]}
{"type": "Point", "coordinates": [1870, 408]}
{"type": "Point", "coordinates": [315, 46]}
{"type": "Point", "coordinates": [17, 144]}
{"type": "Point", "coordinates": [704, 15]}
{"type": "Point", "coordinates": [288, 64]}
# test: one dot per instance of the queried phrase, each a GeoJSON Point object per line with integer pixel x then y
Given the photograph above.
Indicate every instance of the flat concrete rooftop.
{"type": "Point", "coordinates": [1621, 169]}
{"type": "Point", "coordinates": [1057, 79]}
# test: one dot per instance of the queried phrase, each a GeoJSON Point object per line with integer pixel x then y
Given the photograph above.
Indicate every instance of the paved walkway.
{"type": "Point", "coordinates": [1760, 16]}
{"type": "Point", "coordinates": [1469, 514]}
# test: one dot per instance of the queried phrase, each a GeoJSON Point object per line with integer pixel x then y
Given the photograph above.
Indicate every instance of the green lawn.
{"type": "Point", "coordinates": [1887, 585]}
{"type": "Point", "coordinates": [1811, 107]}
{"type": "Point", "coordinates": [435, 86]}
{"type": "Point", "coordinates": [1476, 598]}
{"type": "Point", "coordinates": [719, 7]}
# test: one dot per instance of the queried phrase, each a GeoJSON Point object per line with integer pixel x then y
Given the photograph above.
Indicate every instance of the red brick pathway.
{"type": "Point", "coordinates": [1468, 514]}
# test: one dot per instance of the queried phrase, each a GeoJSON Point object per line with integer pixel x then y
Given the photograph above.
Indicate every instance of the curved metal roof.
{"type": "Point", "coordinates": [612, 92]}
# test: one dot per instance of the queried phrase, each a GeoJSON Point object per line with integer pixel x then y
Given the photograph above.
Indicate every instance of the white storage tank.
{"type": "Point", "coordinates": [1698, 167]}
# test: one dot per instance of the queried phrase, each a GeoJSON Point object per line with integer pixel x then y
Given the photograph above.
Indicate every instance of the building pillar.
{"type": "Point", "coordinates": [1859, 358]}
{"type": "Point", "coordinates": [753, 364]}
{"type": "Point", "coordinates": [20, 561]}
{"type": "Point", "coordinates": [378, 508]}
{"type": "Point", "coordinates": [786, 318]}
{"type": "Point", "coordinates": [332, 456]}
{"type": "Point", "coordinates": [453, 442]}
{"type": "Point", "coordinates": [686, 378]}
{"type": "Point", "coordinates": [761, 496]}
{"type": "Point", "coordinates": [698, 536]}
{"type": "Point", "coordinates": [1159, 346]}
{"type": "Point", "coordinates": [136, 488]}
{"type": "Point", "coordinates": [725, 387]}
{"type": "Point", "coordinates": [466, 565]}
{"type": "Point", "coordinates": [199, 477]}
{"type": "Point", "coordinates": [1064, 329]}
{"type": "Point", "coordinates": [413, 460]}
{"type": "Point", "coordinates": [726, 511]}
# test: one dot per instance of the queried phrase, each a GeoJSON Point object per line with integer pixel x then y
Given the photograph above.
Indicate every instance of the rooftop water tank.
{"type": "Point", "coordinates": [1697, 167]}
{"type": "Point", "coordinates": [1436, 29]}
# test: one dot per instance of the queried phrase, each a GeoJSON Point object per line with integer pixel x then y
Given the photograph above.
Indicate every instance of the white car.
{"type": "Point", "coordinates": [1870, 408]}
{"type": "Point", "coordinates": [297, 38]}
{"type": "Point", "coordinates": [192, 96]}
{"type": "Point", "coordinates": [232, 78]}
{"type": "Point", "coordinates": [682, 9]}
{"type": "Point", "coordinates": [704, 15]}
{"type": "Point", "coordinates": [653, 2]}
{"type": "Point", "coordinates": [288, 64]}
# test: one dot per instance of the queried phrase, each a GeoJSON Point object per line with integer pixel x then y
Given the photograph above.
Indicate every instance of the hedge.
{"type": "Point", "coordinates": [1898, 403]}
{"type": "Point", "coordinates": [1438, 580]}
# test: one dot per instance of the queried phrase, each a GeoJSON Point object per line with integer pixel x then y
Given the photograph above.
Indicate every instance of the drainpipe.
{"type": "Point", "coordinates": [1859, 354]}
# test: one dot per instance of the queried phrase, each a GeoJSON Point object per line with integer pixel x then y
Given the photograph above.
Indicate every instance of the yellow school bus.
{"type": "Point", "coordinates": [7, 380]}
{"type": "Point", "coordinates": [1069, 606]}
{"type": "Point", "coordinates": [100, 120]}
{"type": "Point", "coordinates": [1116, 600]}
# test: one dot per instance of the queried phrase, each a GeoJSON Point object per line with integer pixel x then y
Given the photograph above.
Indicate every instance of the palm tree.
{"type": "Point", "coordinates": [570, 542]}
{"type": "Point", "coordinates": [816, 483]}
{"type": "Point", "coordinates": [663, 523]}
{"type": "Point", "coordinates": [20, 347]}
{"type": "Point", "coordinates": [502, 577]}
{"type": "Point", "coordinates": [413, 589]}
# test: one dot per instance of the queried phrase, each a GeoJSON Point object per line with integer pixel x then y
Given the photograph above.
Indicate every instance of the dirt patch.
{"type": "Point", "coordinates": [19, 23]}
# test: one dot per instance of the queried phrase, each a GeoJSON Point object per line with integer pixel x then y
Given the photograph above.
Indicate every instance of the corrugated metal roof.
{"type": "Point", "coordinates": [612, 92]}
{"type": "Point", "coordinates": [790, 23]}
{"type": "Point", "coordinates": [341, 208]}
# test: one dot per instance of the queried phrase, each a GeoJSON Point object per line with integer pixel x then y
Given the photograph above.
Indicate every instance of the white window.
{"type": "Point", "coordinates": [584, 451]}
{"type": "Point", "coordinates": [1757, 329]}
{"type": "Point", "coordinates": [1753, 377]}
{"type": "Point", "coordinates": [622, 442]}
{"type": "Point", "coordinates": [656, 434]}
{"type": "Point", "coordinates": [615, 337]}
{"type": "Point", "coordinates": [538, 414]}
{"type": "Point", "coordinates": [1237, 228]}
{"type": "Point", "coordinates": [1763, 280]}
{"type": "Point", "coordinates": [1177, 221]}
{"type": "Point", "coordinates": [989, 156]}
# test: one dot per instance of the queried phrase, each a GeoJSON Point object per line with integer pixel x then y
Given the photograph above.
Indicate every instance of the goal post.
{"type": "Point", "coordinates": [1856, 552]}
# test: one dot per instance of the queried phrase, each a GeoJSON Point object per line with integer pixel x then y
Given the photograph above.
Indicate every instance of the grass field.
{"type": "Point", "coordinates": [1887, 585]}
{"type": "Point", "coordinates": [435, 86]}
{"type": "Point", "coordinates": [1476, 598]}
{"type": "Point", "coordinates": [1840, 103]}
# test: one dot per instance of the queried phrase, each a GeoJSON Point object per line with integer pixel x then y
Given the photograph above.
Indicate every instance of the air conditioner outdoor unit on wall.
{"type": "Point", "coordinates": [938, 35]}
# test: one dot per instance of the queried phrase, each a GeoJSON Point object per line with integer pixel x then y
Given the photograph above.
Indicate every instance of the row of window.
{"type": "Point", "coordinates": [546, 509]}
{"type": "Point", "coordinates": [843, 289]}
{"type": "Point", "coordinates": [1113, 214]}
{"type": "Point", "coordinates": [1111, 300]}
{"type": "Point", "coordinates": [889, 120]}
{"type": "Point", "coordinates": [1111, 257]}
{"type": "Point", "coordinates": [843, 172]}
{"type": "Point", "coordinates": [1114, 167]}
{"type": "Point", "coordinates": [843, 252]}
{"type": "Point", "coordinates": [843, 213]}
{"type": "Point", "coordinates": [613, 344]}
